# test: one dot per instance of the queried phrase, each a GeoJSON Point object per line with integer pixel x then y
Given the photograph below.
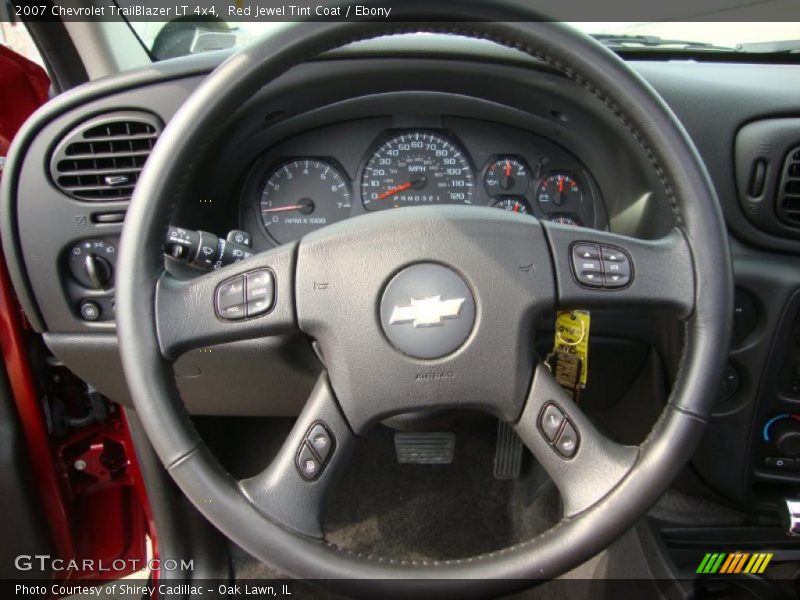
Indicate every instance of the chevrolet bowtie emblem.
{"type": "Point", "coordinates": [427, 312]}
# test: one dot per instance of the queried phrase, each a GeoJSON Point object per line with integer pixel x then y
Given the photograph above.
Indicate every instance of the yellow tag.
{"type": "Point", "coordinates": [572, 336]}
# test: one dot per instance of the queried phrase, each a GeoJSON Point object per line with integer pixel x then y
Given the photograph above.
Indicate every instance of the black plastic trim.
{"type": "Point", "coordinates": [59, 54]}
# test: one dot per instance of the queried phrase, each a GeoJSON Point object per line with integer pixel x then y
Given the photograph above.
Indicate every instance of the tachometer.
{"type": "Point", "coordinates": [416, 168]}
{"type": "Point", "coordinates": [303, 195]}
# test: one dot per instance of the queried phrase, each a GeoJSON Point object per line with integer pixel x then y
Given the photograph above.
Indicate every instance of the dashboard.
{"type": "Point", "coordinates": [387, 128]}
{"type": "Point", "coordinates": [347, 169]}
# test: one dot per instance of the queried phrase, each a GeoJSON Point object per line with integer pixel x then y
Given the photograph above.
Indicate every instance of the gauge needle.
{"type": "Point", "coordinates": [508, 168]}
{"type": "Point", "coordinates": [395, 190]}
{"type": "Point", "coordinates": [516, 206]}
{"type": "Point", "coordinates": [419, 182]}
{"type": "Point", "coordinates": [283, 208]}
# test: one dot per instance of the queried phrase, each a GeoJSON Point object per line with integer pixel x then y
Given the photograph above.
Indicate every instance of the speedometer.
{"type": "Point", "coordinates": [416, 168]}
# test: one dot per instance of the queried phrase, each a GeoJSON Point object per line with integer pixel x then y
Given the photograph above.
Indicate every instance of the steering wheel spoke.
{"type": "Point", "coordinates": [246, 300]}
{"type": "Point", "coordinates": [584, 464]}
{"type": "Point", "coordinates": [292, 490]}
{"type": "Point", "coordinates": [597, 269]}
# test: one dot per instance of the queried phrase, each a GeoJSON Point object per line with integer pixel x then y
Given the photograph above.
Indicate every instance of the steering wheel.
{"type": "Point", "coordinates": [442, 317]}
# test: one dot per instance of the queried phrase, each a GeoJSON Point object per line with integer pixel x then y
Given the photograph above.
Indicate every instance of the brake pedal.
{"type": "Point", "coordinates": [508, 453]}
{"type": "Point", "coordinates": [425, 448]}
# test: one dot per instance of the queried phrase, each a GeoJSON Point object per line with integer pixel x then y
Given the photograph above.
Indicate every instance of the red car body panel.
{"type": "Point", "coordinates": [25, 86]}
{"type": "Point", "coordinates": [98, 513]}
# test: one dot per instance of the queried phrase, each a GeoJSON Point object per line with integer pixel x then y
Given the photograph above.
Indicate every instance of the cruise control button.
{"type": "Point", "coordinates": [551, 421]}
{"type": "Point", "coordinates": [231, 293]}
{"type": "Point", "coordinates": [230, 299]}
{"type": "Point", "coordinates": [258, 307]}
{"type": "Point", "coordinates": [568, 440]}
{"type": "Point", "coordinates": [259, 285]}
{"type": "Point", "coordinates": [260, 292]}
{"type": "Point", "coordinates": [308, 464]}
{"type": "Point", "coordinates": [233, 313]}
{"type": "Point", "coordinates": [320, 441]}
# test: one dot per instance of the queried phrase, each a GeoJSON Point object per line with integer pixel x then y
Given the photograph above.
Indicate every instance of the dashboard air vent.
{"type": "Point", "coordinates": [789, 191]}
{"type": "Point", "coordinates": [101, 158]}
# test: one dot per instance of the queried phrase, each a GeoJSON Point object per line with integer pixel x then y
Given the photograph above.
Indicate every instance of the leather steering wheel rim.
{"type": "Point", "coordinates": [221, 499]}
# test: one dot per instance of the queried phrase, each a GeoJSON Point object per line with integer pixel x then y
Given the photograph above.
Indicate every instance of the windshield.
{"type": "Point", "coordinates": [728, 35]}
{"type": "Point", "coordinates": [189, 35]}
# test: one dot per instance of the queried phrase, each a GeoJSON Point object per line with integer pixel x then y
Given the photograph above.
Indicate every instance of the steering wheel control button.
{"type": "Point", "coordinates": [90, 311]}
{"type": "Point", "coordinates": [551, 421]}
{"type": "Point", "coordinates": [321, 441]}
{"type": "Point", "coordinates": [616, 268]}
{"type": "Point", "coordinates": [427, 311]}
{"type": "Point", "coordinates": [568, 440]}
{"type": "Point", "coordinates": [308, 464]}
{"type": "Point", "coordinates": [230, 299]}
{"type": "Point", "coordinates": [248, 295]}
{"type": "Point", "coordinates": [586, 252]}
{"type": "Point", "coordinates": [591, 278]}
{"type": "Point", "coordinates": [314, 452]}
{"type": "Point", "coordinates": [601, 266]}
{"type": "Point", "coordinates": [612, 255]}
{"type": "Point", "coordinates": [558, 430]}
{"type": "Point", "coordinates": [590, 273]}
{"type": "Point", "coordinates": [260, 292]}
{"type": "Point", "coordinates": [616, 280]}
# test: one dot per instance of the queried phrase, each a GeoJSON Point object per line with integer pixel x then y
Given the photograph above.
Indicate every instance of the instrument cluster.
{"type": "Point", "coordinates": [293, 195]}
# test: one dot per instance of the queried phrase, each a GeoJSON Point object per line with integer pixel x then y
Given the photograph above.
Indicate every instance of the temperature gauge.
{"type": "Point", "coordinates": [507, 175]}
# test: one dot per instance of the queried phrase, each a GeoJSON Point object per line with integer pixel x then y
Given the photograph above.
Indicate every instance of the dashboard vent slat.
{"type": "Point", "coordinates": [144, 153]}
{"type": "Point", "coordinates": [789, 190]}
{"type": "Point", "coordinates": [101, 159]}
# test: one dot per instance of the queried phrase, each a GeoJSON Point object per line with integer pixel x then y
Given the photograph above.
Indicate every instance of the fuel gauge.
{"type": "Point", "coordinates": [507, 175]}
{"type": "Point", "coordinates": [564, 219]}
{"type": "Point", "coordinates": [516, 204]}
